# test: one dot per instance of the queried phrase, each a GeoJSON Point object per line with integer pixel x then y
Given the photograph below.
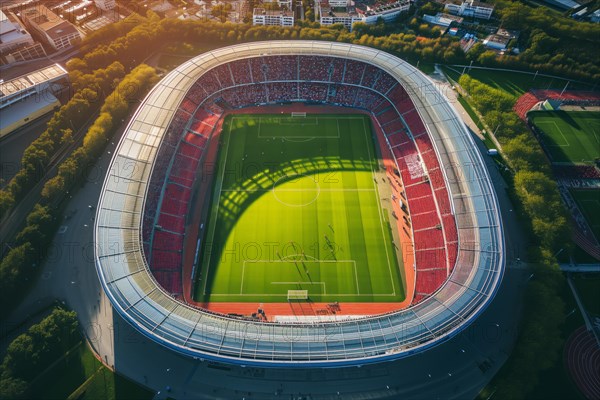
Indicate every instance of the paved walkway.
{"type": "Point", "coordinates": [440, 81]}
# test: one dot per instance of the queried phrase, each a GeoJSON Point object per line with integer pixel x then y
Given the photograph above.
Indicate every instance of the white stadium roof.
{"type": "Point", "coordinates": [136, 296]}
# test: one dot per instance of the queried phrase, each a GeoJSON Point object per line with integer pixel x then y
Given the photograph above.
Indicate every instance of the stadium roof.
{"type": "Point", "coordinates": [135, 295]}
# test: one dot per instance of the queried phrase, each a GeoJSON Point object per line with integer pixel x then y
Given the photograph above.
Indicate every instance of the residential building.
{"type": "Point", "coordinates": [54, 30]}
{"type": "Point", "coordinates": [260, 16]}
{"type": "Point", "coordinates": [469, 8]}
{"type": "Point", "coordinates": [388, 12]}
{"type": "Point", "coordinates": [327, 16]}
{"type": "Point", "coordinates": [330, 14]}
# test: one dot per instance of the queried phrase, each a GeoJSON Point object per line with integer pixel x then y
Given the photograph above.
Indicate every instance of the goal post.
{"type": "Point", "coordinates": [297, 295]}
{"type": "Point", "coordinates": [298, 114]}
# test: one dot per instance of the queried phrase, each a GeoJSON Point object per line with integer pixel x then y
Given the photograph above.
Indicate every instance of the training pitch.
{"type": "Point", "coordinates": [569, 136]}
{"type": "Point", "coordinates": [295, 205]}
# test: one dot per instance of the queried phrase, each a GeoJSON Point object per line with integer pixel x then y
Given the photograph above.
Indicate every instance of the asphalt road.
{"type": "Point", "coordinates": [13, 146]}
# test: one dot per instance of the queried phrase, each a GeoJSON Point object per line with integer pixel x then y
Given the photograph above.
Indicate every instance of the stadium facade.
{"type": "Point", "coordinates": [121, 225]}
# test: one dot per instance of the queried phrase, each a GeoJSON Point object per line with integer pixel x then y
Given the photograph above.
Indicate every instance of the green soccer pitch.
{"type": "Point", "coordinates": [569, 136]}
{"type": "Point", "coordinates": [295, 206]}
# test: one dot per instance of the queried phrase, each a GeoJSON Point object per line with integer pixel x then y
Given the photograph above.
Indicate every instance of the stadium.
{"type": "Point", "coordinates": [385, 128]}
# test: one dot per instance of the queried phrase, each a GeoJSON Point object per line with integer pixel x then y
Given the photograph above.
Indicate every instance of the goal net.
{"type": "Point", "coordinates": [297, 295]}
{"type": "Point", "coordinates": [298, 114]}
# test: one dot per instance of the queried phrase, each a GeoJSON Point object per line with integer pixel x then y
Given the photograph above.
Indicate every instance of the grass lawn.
{"type": "Point", "coordinates": [589, 204]}
{"type": "Point", "coordinates": [514, 83]}
{"type": "Point", "coordinates": [295, 207]}
{"type": "Point", "coordinates": [80, 375]}
{"type": "Point", "coordinates": [569, 136]}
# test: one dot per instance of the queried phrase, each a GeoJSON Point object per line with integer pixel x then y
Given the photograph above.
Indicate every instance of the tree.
{"type": "Point", "coordinates": [221, 11]}
{"type": "Point", "coordinates": [12, 388]}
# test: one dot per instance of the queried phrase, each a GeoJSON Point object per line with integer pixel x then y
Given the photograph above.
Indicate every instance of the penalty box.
{"type": "Point", "coordinates": [283, 128]}
{"type": "Point", "coordinates": [298, 273]}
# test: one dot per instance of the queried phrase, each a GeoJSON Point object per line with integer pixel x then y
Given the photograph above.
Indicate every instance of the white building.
{"type": "Point", "coordinates": [469, 8]}
{"type": "Point", "coordinates": [387, 12]}
{"type": "Point", "coordinates": [105, 4]}
{"type": "Point", "coordinates": [57, 32]}
{"type": "Point", "coordinates": [442, 19]}
{"type": "Point", "coordinates": [327, 16]}
{"type": "Point", "coordinates": [339, 3]}
{"type": "Point", "coordinates": [496, 42]}
{"type": "Point", "coordinates": [260, 16]}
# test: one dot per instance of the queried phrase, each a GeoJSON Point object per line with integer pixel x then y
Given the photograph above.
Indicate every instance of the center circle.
{"type": "Point", "coordinates": [311, 186]}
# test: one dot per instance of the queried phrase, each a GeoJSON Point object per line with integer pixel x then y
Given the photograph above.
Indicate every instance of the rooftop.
{"type": "Point", "coordinates": [49, 22]}
{"type": "Point", "coordinates": [262, 11]}
{"type": "Point", "coordinates": [34, 78]}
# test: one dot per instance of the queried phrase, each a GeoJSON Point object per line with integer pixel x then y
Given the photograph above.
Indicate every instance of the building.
{"type": "Point", "coordinates": [387, 12]}
{"type": "Point", "coordinates": [330, 12]}
{"type": "Point", "coordinates": [509, 33]}
{"type": "Point", "coordinates": [281, 3]}
{"type": "Point", "coordinates": [16, 44]}
{"type": "Point", "coordinates": [327, 15]}
{"type": "Point", "coordinates": [27, 97]}
{"type": "Point", "coordinates": [12, 34]}
{"type": "Point", "coordinates": [260, 16]}
{"type": "Point", "coordinates": [442, 19]}
{"type": "Point", "coordinates": [339, 3]}
{"type": "Point", "coordinates": [54, 30]}
{"type": "Point", "coordinates": [496, 42]}
{"type": "Point", "coordinates": [563, 4]}
{"type": "Point", "coordinates": [105, 4]}
{"type": "Point", "coordinates": [469, 8]}
{"type": "Point", "coordinates": [23, 53]}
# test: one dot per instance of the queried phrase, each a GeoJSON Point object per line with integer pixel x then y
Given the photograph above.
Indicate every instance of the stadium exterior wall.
{"type": "Point", "coordinates": [134, 294]}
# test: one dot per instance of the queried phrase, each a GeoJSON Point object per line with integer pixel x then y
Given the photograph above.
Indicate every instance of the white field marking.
{"type": "Point", "coordinates": [308, 137]}
{"type": "Point", "coordinates": [298, 121]}
{"type": "Point", "coordinates": [303, 283]}
{"type": "Point", "coordinates": [559, 131]}
{"type": "Point", "coordinates": [317, 193]}
{"type": "Point", "coordinates": [353, 262]}
{"type": "Point", "coordinates": [218, 191]}
{"type": "Point", "coordinates": [320, 261]}
{"type": "Point", "coordinates": [594, 130]}
{"type": "Point", "coordinates": [381, 222]}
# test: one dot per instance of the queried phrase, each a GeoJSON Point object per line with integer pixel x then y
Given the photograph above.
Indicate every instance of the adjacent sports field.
{"type": "Point", "coordinates": [569, 136]}
{"type": "Point", "coordinates": [295, 206]}
{"type": "Point", "coordinates": [589, 203]}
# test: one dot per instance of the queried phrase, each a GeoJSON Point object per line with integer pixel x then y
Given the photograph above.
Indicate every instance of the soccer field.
{"type": "Point", "coordinates": [295, 206]}
{"type": "Point", "coordinates": [569, 136]}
